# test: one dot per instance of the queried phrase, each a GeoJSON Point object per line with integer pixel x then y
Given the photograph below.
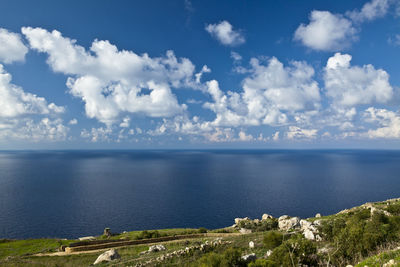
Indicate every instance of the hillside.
{"type": "Point", "coordinates": [368, 235]}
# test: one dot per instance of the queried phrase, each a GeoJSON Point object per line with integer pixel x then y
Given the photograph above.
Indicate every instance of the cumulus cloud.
{"type": "Point", "coordinates": [348, 85]}
{"type": "Point", "coordinates": [12, 48]}
{"type": "Point", "coordinates": [326, 32]}
{"type": "Point", "coordinates": [388, 123]}
{"type": "Point", "coordinates": [270, 93]}
{"type": "Point", "coordinates": [112, 81]}
{"type": "Point", "coordinates": [73, 122]}
{"type": "Point", "coordinates": [295, 132]}
{"type": "Point", "coordinates": [370, 11]}
{"type": "Point", "coordinates": [45, 129]}
{"type": "Point", "coordinates": [14, 101]}
{"type": "Point", "coordinates": [225, 33]}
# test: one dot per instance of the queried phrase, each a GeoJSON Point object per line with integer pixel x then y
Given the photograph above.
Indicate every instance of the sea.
{"type": "Point", "coordinates": [70, 194]}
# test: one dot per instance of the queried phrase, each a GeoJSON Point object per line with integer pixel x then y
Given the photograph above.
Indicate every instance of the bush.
{"type": "Point", "coordinates": [295, 251]}
{"type": "Point", "coordinates": [272, 239]}
{"type": "Point", "coordinates": [263, 263]}
{"type": "Point", "coordinates": [202, 230]}
{"type": "Point", "coordinates": [262, 226]}
{"type": "Point", "coordinates": [230, 258]}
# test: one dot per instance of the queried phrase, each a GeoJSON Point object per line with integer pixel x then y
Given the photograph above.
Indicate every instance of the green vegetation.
{"type": "Point", "coordinates": [14, 248]}
{"type": "Point", "coordinates": [367, 235]}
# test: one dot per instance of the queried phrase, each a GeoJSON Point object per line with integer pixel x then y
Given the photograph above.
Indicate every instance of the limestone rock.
{"type": "Point", "coordinates": [86, 238]}
{"type": "Point", "coordinates": [286, 224]}
{"type": "Point", "coordinates": [156, 248]}
{"type": "Point", "coordinates": [309, 234]}
{"type": "Point", "coordinates": [107, 256]}
{"type": "Point", "coordinates": [249, 257]}
{"type": "Point", "coordinates": [266, 217]}
{"type": "Point", "coordinates": [245, 231]}
{"type": "Point", "coordinates": [251, 244]}
{"type": "Point", "coordinates": [318, 215]}
{"type": "Point", "coordinates": [238, 220]}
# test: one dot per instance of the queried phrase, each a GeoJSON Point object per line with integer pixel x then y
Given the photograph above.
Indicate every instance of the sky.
{"type": "Point", "coordinates": [199, 74]}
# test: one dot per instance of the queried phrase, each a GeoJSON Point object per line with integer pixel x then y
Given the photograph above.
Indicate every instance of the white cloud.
{"type": "Point", "coordinates": [295, 132]}
{"type": "Point", "coordinates": [236, 56]}
{"type": "Point", "coordinates": [15, 102]}
{"type": "Point", "coordinates": [73, 122]}
{"type": "Point", "coordinates": [45, 129]}
{"type": "Point", "coordinates": [198, 76]}
{"type": "Point", "coordinates": [245, 137]}
{"type": "Point", "coordinates": [225, 33]}
{"type": "Point", "coordinates": [326, 32]}
{"type": "Point", "coordinates": [388, 123]}
{"type": "Point", "coordinates": [111, 82]}
{"type": "Point", "coordinates": [370, 11]}
{"type": "Point", "coordinates": [270, 93]}
{"type": "Point", "coordinates": [125, 122]}
{"type": "Point", "coordinates": [98, 134]}
{"type": "Point", "coordinates": [11, 47]}
{"type": "Point", "coordinates": [348, 85]}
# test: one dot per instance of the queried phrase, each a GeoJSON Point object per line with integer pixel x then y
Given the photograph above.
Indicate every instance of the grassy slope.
{"type": "Point", "coordinates": [357, 227]}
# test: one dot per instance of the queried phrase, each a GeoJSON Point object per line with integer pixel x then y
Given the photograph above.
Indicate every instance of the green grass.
{"type": "Point", "coordinates": [380, 259]}
{"type": "Point", "coordinates": [30, 246]}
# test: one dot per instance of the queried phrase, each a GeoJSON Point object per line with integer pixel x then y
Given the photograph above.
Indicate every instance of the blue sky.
{"type": "Point", "coordinates": [199, 74]}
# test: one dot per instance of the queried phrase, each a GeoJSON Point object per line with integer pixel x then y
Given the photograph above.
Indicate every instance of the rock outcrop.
{"type": "Point", "coordinates": [285, 223]}
{"type": "Point", "coordinates": [107, 256]}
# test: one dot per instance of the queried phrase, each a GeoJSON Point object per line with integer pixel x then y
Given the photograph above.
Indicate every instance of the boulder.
{"type": "Point", "coordinates": [318, 215]}
{"type": "Point", "coordinates": [283, 217]}
{"type": "Point", "coordinates": [86, 238]}
{"type": "Point", "coordinates": [107, 256]}
{"type": "Point", "coordinates": [266, 217]}
{"type": "Point", "coordinates": [238, 220]}
{"type": "Point", "coordinates": [249, 257]}
{"type": "Point", "coordinates": [156, 248]}
{"type": "Point", "coordinates": [245, 231]}
{"type": "Point", "coordinates": [251, 244]}
{"type": "Point", "coordinates": [304, 224]}
{"type": "Point", "coordinates": [309, 235]}
{"type": "Point", "coordinates": [286, 224]}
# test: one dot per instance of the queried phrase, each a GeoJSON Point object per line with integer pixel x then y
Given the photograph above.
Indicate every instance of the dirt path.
{"type": "Point", "coordinates": [63, 253]}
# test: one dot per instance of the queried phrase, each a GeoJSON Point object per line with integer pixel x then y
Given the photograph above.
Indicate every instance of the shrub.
{"type": "Point", "coordinates": [272, 239]}
{"type": "Point", "coordinates": [230, 258]}
{"type": "Point", "coordinates": [295, 251]}
{"type": "Point", "coordinates": [263, 263]}
{"type": "Point", "coordinates": [202, 230]}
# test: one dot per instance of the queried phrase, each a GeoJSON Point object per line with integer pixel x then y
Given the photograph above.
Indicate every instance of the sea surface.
{"type": "Point", "coordinates": [69, 194]}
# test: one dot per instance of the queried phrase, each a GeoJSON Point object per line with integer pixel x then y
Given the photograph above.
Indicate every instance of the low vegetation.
{"type": "Point", "coordinates": [366, 235]}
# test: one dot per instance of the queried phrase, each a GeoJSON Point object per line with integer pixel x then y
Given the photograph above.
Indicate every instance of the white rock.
{"type": "Point", "coordinates": [245, 231]}
{"type": "Point", "coordinates": [156, 248]}
{"type": "Point", "coordinates": [318, 238]}
{"type": "Point", "coordinates": [249, 257]}
{"type": "Point", "coordinates": [256, 221]}
{"type": "Point", "coordinates": [269, 252]}
{"type": "Point", "coordinates": [251, 244]}
{"type": "Point", "coordinates": [109, 255]}
{"type": "Point", "coordinates": [86, 238]}
{"type": "Point", "coordinates": [318, 215]}
{"type": "Point", "coordinates": [309, 235]}
{"type": "Point", "coordinates": [266, 217]}
{"type": "Point", "coordinates": [238, 220]}
{"type": "Point", "coordinates": [288, 224]}
{"type": "Point", "coordinates": [283, 217]}
{"type": "Point", "coordinates": [305, 224]}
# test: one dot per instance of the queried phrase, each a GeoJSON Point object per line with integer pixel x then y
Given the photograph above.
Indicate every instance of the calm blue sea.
{"type": "Point", "coordinates": [68, 194]}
